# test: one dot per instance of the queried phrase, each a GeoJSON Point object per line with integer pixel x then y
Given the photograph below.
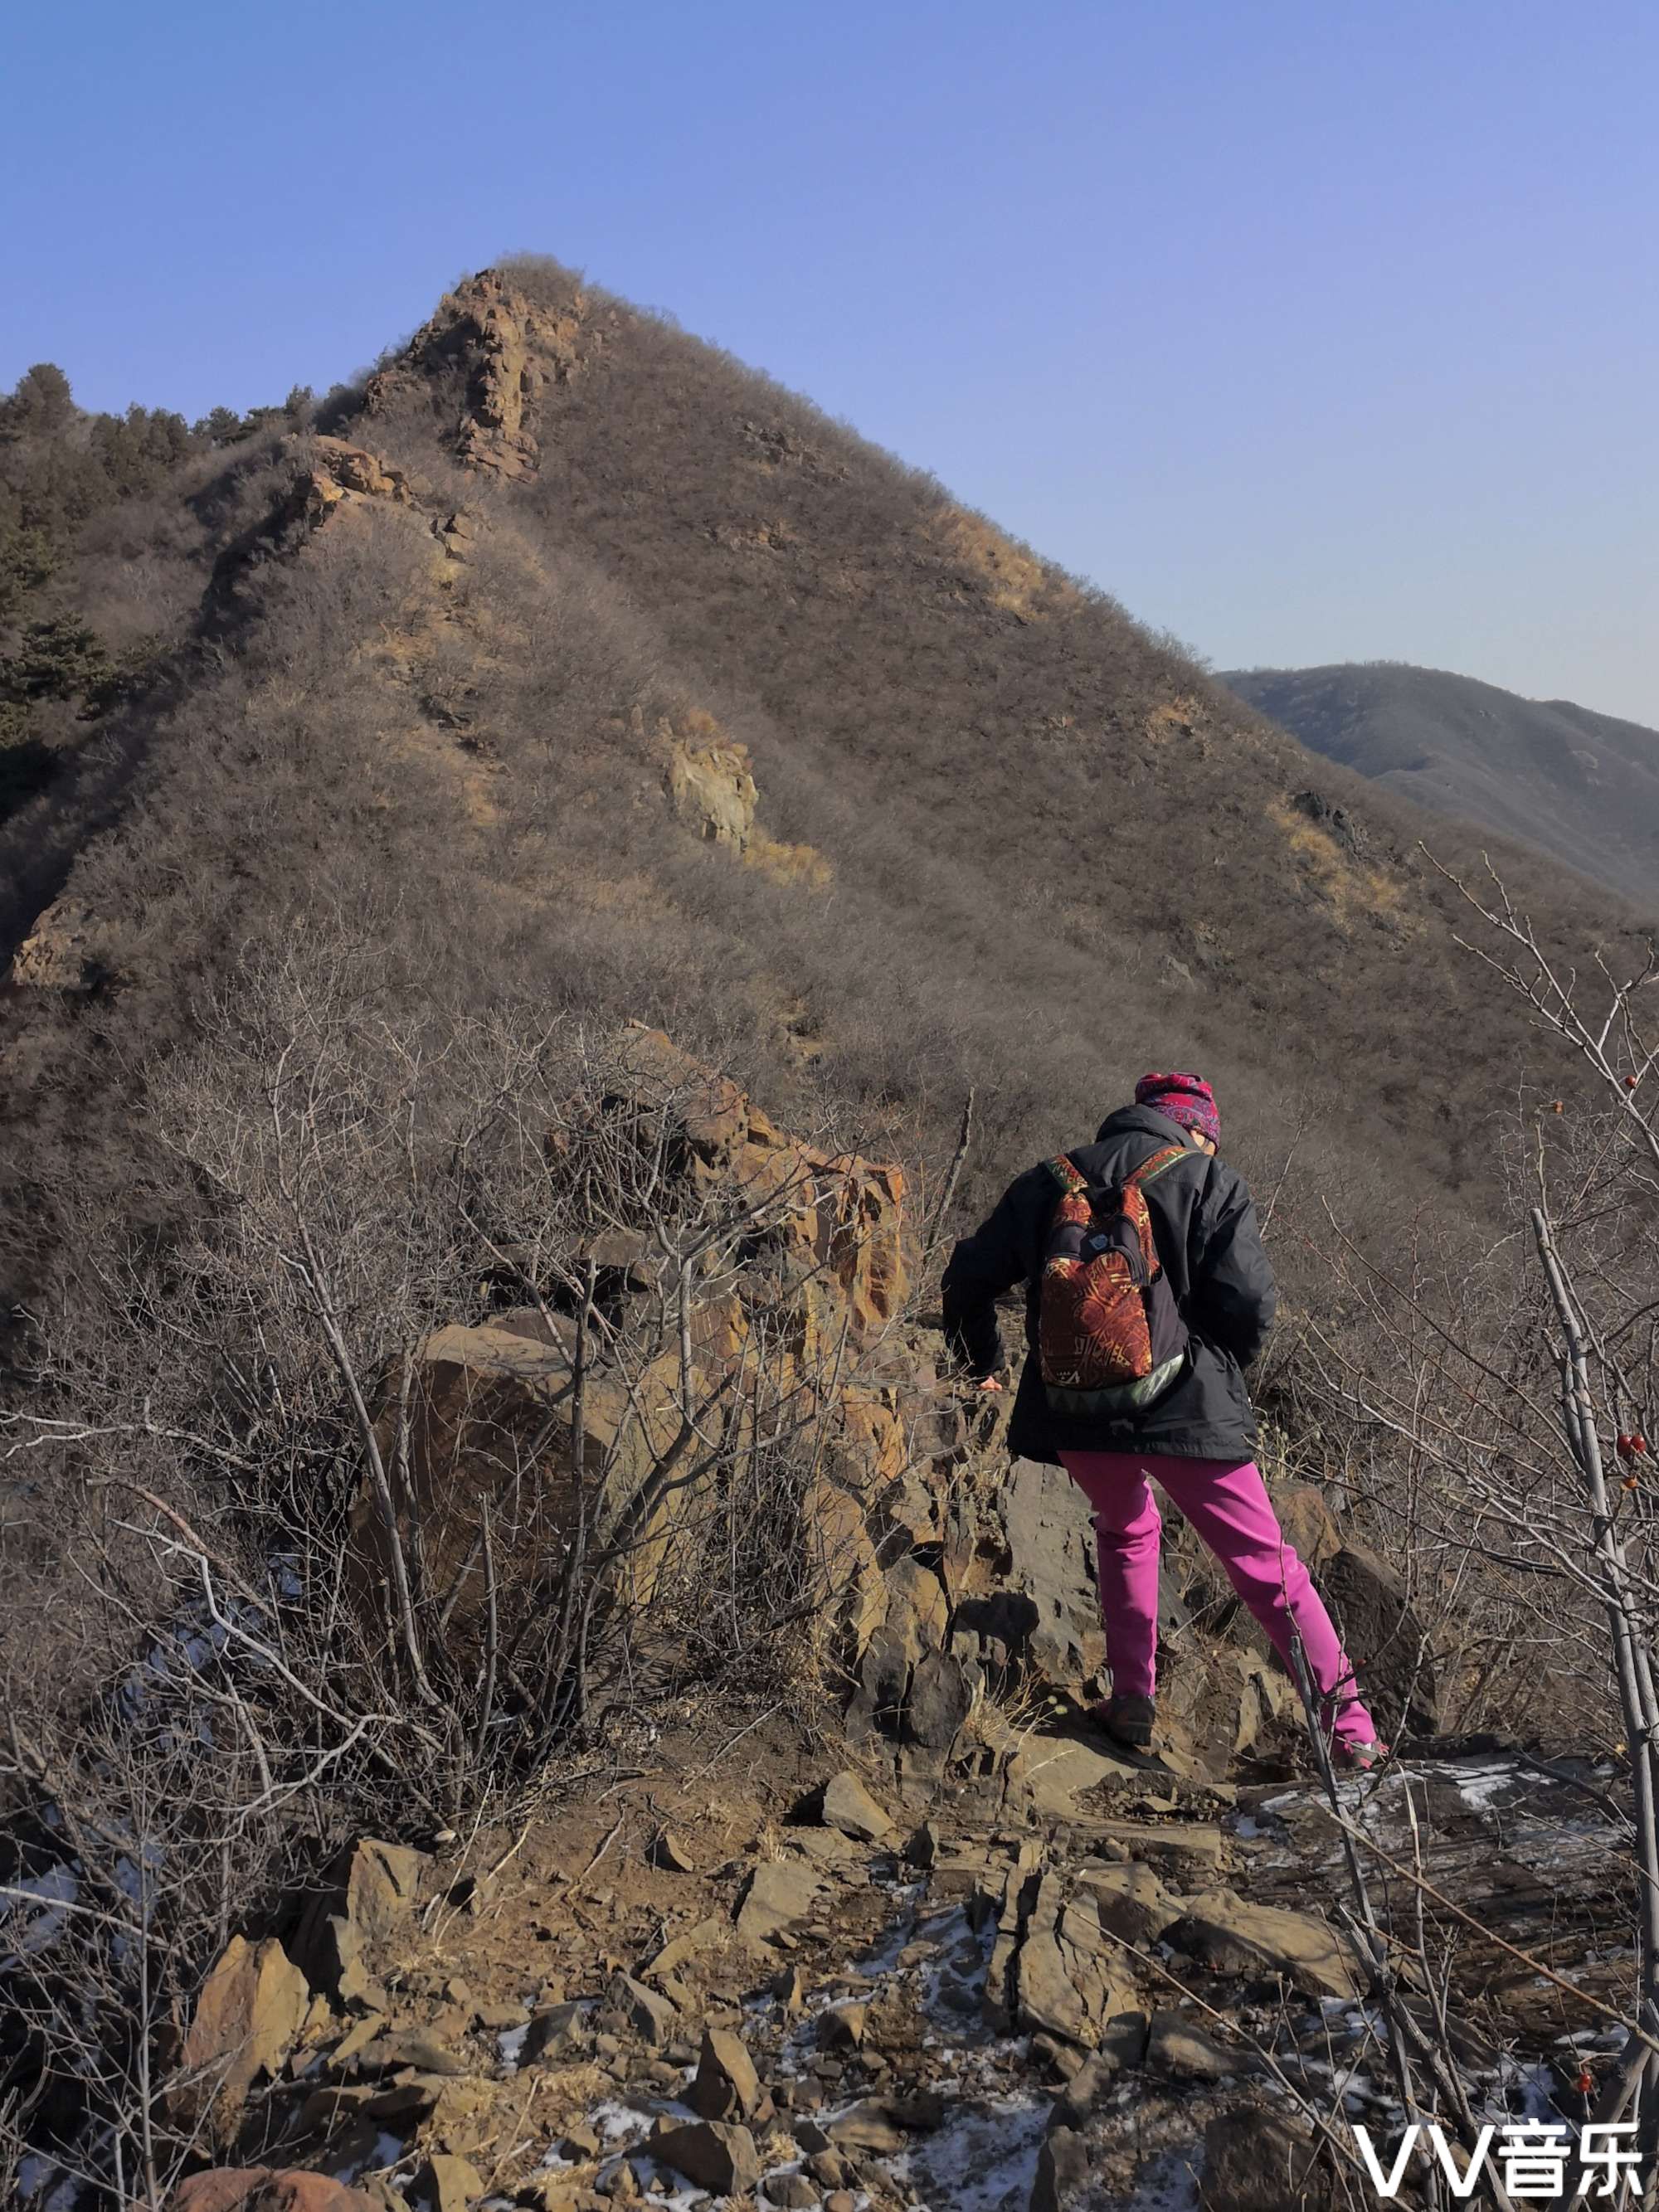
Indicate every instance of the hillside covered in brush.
{"type": "Point", "coordinates": [509, 879]}
{"type": "Point", "coordinates": [572, 666]}
{"type": "Point", "coordinates": [1580, 786]}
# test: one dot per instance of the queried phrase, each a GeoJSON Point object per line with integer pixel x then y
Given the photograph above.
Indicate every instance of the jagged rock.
{"type": "Point", "coordinates": [446, 2183]}
{"type": "Point", "coordinates": [667, 1852]}
{"type": "Point", "coordinates": [1130, 1900]}
{"type": "Point", "coordinates": [844, 1803]}
{"type": "Point", "coordinates": [828, 1846]}
{"type": "Point", "coordinates": [506, 350]}
{"type": "Point", "coordinates": [939, 1700]}
{"type": "Point", "coordinates": [1308, 1521]}
{"type": "Point", "coordinates": [487, 1404]}
{"type": "Point", "coordinates": [867, 2126]}
{"type": "Point", "coordinates": [1385, 1640]}
{"type": "Point", "coordinates": [791, 2189]}
{"type": "Point", "coordinates": [266, 2188]}
{"type": "Point", "coordinates": [69, 949]}
{"type": "Point", "coordinates": [356, 470]}
{"type": "Point", "coordinates": [713, 2154]}
{"type": "Point", "coordinates": [371, 1889]}
{"type": "Point", "coordinates": [1258, 2161]}
{"type": "Point", "coordinates": [1068, 1975]}
{"type": "Point", "coordinates": [629, 2008]}
{"type": "Point", "coordinates": [726, 2085]}
{"type": "Point", "coordinates": [1176, 2047]}
{"type": "Point", "coordinates": [411, 2046]}
{"type": "Point", "coordinates": [1034, 1595]}
{"type": "Point", "coordinates": [918, 1611]}
{"type": "Point", "coordinates": [556, 2032]}
{"type": "Point", "coordinates": [710, 782]}
{"type": "Point", "coordinates": [924, 1848]}
{"type": "Point", "coordinates": [675, 1952]}
{"type": "Point", "coordinates": [884, 1679]}
{"type": "Point", "coordinates": [789, 1989]}
{"type": "Point", "coordinates": [1064, 2171]}
{"type": "Point", "coordinates": [842, 2026]}
{"type": "Point", "coordinates": [1234, 1937]}
{"type": "Point", "coordinates": [249, 2014]}
{"type": "Point", "coordinates": [1122, 2044]}
{"type": "Point", "coordinates": [780, 1894]}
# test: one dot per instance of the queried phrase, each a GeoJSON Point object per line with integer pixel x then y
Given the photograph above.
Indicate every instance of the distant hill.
{"type": "Point", "coordinates": [1581, 786]}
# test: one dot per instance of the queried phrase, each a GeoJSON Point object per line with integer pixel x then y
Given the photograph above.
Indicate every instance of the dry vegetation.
{"type": "Point", "coordinates": [379, 831]}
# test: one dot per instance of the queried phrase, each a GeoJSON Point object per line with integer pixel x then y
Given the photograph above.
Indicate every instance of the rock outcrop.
{"type": "Point", "coordinates": [505, 353]}
{"type": "Point", "coordinates": [248, 2017]}
{"type": "Point", "coordinates": [69, 949]}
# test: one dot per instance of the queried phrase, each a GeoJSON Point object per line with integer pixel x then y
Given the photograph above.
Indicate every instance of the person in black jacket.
{"type": "Point", "coordinates": [1197, 1437]}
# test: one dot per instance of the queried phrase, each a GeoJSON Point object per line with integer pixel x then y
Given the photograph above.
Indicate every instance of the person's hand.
{"type": "Point", "coordinates": [990, 1387]}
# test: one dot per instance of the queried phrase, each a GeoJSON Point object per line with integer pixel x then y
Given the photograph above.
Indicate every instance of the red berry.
{"type": "Point", "coordinates": [1630, 1082]}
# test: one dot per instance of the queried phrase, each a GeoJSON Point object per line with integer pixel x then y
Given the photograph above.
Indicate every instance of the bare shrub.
{"type": "Point", "coordinates": [467, 1412]}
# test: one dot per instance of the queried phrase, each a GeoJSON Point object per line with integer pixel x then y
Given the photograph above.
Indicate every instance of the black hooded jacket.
{"type": "Point", "coordinates": [1204, 1226]}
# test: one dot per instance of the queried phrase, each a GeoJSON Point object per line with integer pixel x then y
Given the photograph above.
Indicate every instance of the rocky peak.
{"type": "Point", "coordinates": [505, 351]}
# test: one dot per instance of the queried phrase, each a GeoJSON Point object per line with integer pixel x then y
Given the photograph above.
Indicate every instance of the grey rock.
{"type": "Point", "coordinates": [1232, 1935]}
{"type": "Point", "coordinates": [1175, 2047]}
{"type": "Point", "coordinates": [714, 2154]}
{"type": "Point", "coordinates": [779, 1895]}
{"type": "Point", "coordinates": [726, 2085]}
{"type": "Point", "coordinates": [629, 2008]}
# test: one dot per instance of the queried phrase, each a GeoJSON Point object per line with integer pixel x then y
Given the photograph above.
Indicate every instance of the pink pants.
{"type": "Point", "coordinates": [1228, 1506]}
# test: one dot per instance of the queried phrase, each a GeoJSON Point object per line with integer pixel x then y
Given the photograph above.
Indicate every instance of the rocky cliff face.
{"type": "Point", "coordinates": [648, 1991]}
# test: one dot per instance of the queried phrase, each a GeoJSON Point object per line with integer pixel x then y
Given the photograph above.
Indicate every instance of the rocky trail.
{"type": "Point", "coordinates": [910, 1935]}
{"type": "Point", "coordinates": [705, 1984]}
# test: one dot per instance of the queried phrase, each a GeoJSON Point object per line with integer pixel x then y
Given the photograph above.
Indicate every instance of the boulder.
{"type": "Point", "coordinates": [709, 781]}
{"type": "Point", "coordinates": [845, 1803]}
{"type": "Point", "coordinates": [1130, 1901]}
{"type": "Point", "coordinates": [446, 2183]}
{"type": "Point", "coordinates": [713, 2155]}
{"type": "Point", "coordinates": [249, 2014]}
{"type": "Point", "coordinates": [779, 1895]}
{"type": "Point", "coordinates": [556, 2032]}
{"type": "Point", "coordinates": [69, 949]}
{"type": "Point", "coordinates": [1231, 1935]}
{"type": "Point", "coordinates": [1256, 2161]}
{"type": "Point", "coordinates": [630, 2009]}
{"type": "Point", "coordinates": [1385, 1639]}
{"type": "Point", "coordinates": [266, 2188]}
{"type": "Point", "coordinates": [370, 1892]}
{"type": "Point", "coordinates": [1178, 2047]}
{"type": "Point", "coordinates": [489, 1422]}
{"type": "Point", "coordinates": [726, 2085]}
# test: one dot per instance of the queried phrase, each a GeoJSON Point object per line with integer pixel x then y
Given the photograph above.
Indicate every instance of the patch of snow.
{"type": "Point", "coordinates": [983, 2160]}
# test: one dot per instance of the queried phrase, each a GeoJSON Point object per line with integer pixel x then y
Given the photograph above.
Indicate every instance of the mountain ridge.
{"type": "Point", "coordinates": [1581, 786]}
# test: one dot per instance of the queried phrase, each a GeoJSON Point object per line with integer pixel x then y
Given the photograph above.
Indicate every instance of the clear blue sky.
{"type": "Point", "coordinates": [1313, 330]}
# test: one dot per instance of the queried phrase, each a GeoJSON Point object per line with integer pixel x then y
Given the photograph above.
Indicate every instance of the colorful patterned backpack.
{"type": "Point", "coordinates": [1110, 1337]}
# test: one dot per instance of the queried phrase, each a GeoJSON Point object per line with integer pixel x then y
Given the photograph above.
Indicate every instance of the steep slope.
{"type": "Point", "coordinates": [591, 671]}
{"type": "Point", "coordinates": [1581, 786]}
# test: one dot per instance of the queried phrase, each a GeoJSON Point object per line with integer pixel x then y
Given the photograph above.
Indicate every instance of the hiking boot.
{"type": "Point", "coordinates": [1359, 1758]}
{"type": "Point", "coordinates": [1128, 1721]}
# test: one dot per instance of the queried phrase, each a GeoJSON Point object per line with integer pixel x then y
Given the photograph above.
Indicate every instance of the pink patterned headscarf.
{"type": "Point", "coordinates": [1186, 1099]}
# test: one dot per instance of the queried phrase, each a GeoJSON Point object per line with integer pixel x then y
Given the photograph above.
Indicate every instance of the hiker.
{"type": "Point", "coordinates": [1147, 1294]}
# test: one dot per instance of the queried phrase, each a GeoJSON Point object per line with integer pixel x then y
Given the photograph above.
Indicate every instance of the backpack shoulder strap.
{"type": "Point", "coordinates": [1067, 1173]}
{"type": "Point", "coordinates": [1155, 1166]}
